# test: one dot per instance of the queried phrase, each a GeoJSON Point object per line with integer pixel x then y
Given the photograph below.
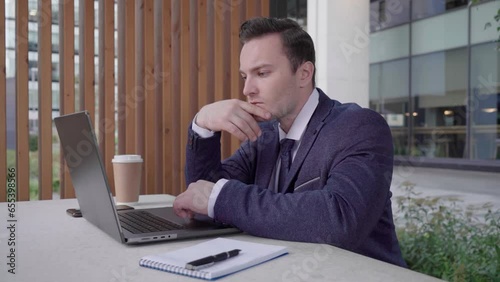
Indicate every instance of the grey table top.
{"type": "Point", "coordinates": [52, 246]}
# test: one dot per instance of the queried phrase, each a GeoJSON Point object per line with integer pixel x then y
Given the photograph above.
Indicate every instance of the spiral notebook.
{"type": "Point", "coordinates": [251, 254]}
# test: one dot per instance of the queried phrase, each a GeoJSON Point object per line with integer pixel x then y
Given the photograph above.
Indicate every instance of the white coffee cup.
{"type": "Point", "coordinates": [127, 172]}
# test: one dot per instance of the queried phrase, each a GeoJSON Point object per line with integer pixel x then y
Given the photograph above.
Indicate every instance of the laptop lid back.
{"type": "Point", "coordinates": [83, 160]}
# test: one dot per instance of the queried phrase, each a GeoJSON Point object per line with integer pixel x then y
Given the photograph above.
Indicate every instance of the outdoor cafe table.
{"type": "Point", "coordinates": [52, 246]}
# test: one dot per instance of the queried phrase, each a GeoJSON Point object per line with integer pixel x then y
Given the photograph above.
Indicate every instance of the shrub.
{"type": "Point", "coordinates": [33, 143]}
{"type": "Point", "coordinates": [441, 238]}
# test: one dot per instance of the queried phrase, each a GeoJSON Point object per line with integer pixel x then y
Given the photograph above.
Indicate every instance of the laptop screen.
{"type": "Point", "coordinates": [89, 179]}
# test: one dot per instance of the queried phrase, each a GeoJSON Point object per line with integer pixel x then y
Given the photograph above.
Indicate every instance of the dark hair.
{"type": "Point", "coordinates": [297, 44]}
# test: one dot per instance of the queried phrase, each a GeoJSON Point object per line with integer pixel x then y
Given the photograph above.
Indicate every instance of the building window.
{"type": "Point", "coordinates": [292, 9]}
{"type": "Point", "coordinates": [485, 102]}
{"type": "Point", "coordinates": [439, 93]}
{"type": "Point", "coordinates": [388, 13]}
{"type": "Point", "coordinates": [389, 96]}
{"type": "Point", "coordinates": [427, 8]}
{"type": "Point", "coordinates": [437, 104]}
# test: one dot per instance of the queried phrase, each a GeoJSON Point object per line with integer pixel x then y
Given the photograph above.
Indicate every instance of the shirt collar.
{"type": "Point", "coordinates": [300, 123]}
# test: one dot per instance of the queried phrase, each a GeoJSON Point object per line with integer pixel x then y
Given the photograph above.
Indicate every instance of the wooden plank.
{"type": "Point", "coordinates": [226, 79]}
{"type": "Point", "coordinates": [202, 53]}
{"type": "Point", "coordinates": [130, 87]}
{"type": "Point", "coordinates": [44, 100]}
{"type": "Point", "coordinates": [67, 80]}
{"type": "Point", "coordinates": [87, 65]}
{"type": "Point", "coordinates": [264, 8]}
{"type": "Point", "coordinates": [251, 9]}
{"type": "Point", "coordinates": [167, 121]}
{"type": "Point", "coordinates": [220, 57]}
{"type": "Point", "coordinates": [193, 63]}
{"type": "Point", "coordinates": [193, 68]}
{"type": "Point", "coordinates": [235, 47]}
{"type": "Point", "coordinates": [185, 80]}
{"type": "Point", "coordinates": [22, 123]}
{"type": "Point", "coordinates": [108, 82]}
{"type": "Point", "coordinates": [3, 106]}
{"type": "Point", "coordinates": [175, 98]}
{"type": "Point", "coordinates": [210, 51]}
{"type": "Point", "coordinates": [158, 76]}
{"type": "Point", "coordinates": [139, 81]}
{"type": "Point", "coordinates": [121, 103]}
{"type": "Point", "coordinates": [150, 84]}
{"type": "Point", "coordinates": [258, 7]}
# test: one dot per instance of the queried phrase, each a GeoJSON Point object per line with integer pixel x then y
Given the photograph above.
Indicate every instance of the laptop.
{"type": "Point", "coordinates": [133, 226]}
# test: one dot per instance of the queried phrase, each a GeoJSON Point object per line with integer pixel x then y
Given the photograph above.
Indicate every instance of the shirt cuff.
{"type": "Point", "coordinates": [213, 196]}
{"type": "Point", "coordinates": [202, 132]}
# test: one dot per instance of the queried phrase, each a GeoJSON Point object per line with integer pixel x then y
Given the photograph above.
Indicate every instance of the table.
{"type": "Point", "coordinates": [52, 246]}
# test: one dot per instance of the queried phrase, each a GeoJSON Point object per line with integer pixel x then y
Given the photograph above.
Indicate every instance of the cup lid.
{"type": "Point", "coordinates": [127, 159]}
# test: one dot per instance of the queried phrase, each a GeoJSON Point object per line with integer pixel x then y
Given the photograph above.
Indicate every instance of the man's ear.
{"type": "Point", "coordinates": [305, 72]}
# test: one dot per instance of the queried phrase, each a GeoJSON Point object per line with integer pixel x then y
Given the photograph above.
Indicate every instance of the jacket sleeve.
{"type": "Point", "coordinates": [356, 165]}
{"type": "Point", "coordinates": [203, 160]}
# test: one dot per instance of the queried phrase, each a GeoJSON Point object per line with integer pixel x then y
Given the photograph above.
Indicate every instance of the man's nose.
{"type": "Point", "coordinates": [249, 87]}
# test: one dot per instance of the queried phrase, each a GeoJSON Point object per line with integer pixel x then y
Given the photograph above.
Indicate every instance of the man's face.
{"type": "Point", "coordinates": [269, 81]}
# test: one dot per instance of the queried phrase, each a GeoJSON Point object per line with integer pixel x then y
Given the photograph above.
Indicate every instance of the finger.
{"type": "Point", "coordinates": [258, 112]}
{"type": "Point", "coordinates": [184, 214]}
{"type": "Point", "coordinates": [247, 125]}
{"type": "Point", "coordinates": [251, 124]}
{"type": "Point", "coordinates": [235, 131]}
{"type": "Point", "coordinates": [180, 210]}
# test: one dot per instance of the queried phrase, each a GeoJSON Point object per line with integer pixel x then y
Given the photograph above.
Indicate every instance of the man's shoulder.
{"type": "Point", "coordinates": [345, 110]}
{"type": "Point", "coordinates": [354, 112]}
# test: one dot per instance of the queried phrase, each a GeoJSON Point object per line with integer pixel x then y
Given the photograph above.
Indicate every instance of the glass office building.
{"type": "Point", "coordinates": [434, 72]}
{"type": "Point", "coordinates": [435, 77]}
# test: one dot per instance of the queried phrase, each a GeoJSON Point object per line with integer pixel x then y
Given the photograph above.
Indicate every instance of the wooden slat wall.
{"type": "Point", "coordinates": [158, 71]}
{"type": "Point", "coordinates": [3, 105]}
{"type": "Point", "coordinates": [139, 81]}
{"type": "Point", "coordinates": [220, 55]}
{"type": "Point", "coordinates": [129, 73]}
{"type": "Point", "coordinates": [149, 104]}
{"type": "Point", "coordinates": [67, 79]}
{"type": "Point", "coordinates": [106, 131]}
{"type": "Point", "coordinates": [166, 93]}
{"type": "Point", "coordinates": [122, 95]}
{"type": "Point", "coordinates": [22, 125]}
{"type": "Point", "coordinates": [173, 56]}
{"type": "Point", "coordinates": [237, 13]}
{"type": "Point", "coordinates": [87, 51]}
{"type": "Point", "coordinates": [174, 97]}
{"type": "Point", "coordinates": [45, 99]}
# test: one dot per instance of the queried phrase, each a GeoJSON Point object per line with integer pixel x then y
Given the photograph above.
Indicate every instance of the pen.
{"type": "Point", "coordinates": [210, 260]}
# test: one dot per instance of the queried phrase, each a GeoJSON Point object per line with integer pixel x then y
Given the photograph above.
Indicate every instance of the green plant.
{"type": "Point", "coordinates": [440, 237]}
{"type": "Point", "coordinates": [33, 143]}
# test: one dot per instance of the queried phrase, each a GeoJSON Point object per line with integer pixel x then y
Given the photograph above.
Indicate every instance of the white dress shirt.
{"type": "Point", "coordinates": [296, 132]}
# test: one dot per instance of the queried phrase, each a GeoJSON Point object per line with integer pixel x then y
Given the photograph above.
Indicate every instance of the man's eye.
{"type": "Point", "coordinates": [244, 77]}
{"type": "Point", "coordinates": [262, 74]}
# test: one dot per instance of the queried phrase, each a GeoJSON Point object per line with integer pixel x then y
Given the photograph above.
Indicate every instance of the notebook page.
{"type": "Point", "coordinates": [251, 254]}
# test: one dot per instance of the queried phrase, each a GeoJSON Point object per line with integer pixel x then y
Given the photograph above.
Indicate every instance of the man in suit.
{"type": "Point", "coordinates": [328, 184]}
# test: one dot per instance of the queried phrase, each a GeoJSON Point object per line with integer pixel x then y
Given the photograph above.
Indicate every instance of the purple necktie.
{"type": "Point", "coordinates": [286, 161]}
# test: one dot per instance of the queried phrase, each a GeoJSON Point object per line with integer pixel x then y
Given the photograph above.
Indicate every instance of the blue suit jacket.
{"type": "Point", "coordinates": [338, 184]}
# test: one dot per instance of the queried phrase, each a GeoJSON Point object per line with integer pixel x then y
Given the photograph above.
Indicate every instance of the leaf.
{"type": "Point", "coordinates": [487, 25]}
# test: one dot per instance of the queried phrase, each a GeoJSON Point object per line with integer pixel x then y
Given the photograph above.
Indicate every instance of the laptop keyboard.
{"type": "Point", "coordinates": [144, 222]}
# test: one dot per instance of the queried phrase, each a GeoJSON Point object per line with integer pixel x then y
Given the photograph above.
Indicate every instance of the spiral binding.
{"type": "Point", "coordinates": [174, 269]}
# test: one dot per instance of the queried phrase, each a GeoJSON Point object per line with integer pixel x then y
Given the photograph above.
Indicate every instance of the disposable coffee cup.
{"type": "Point", "coordinates": [127, 172]}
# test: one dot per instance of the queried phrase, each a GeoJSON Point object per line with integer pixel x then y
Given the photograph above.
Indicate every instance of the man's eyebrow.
{"type": "Point", "coordinates": [256, 68]}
